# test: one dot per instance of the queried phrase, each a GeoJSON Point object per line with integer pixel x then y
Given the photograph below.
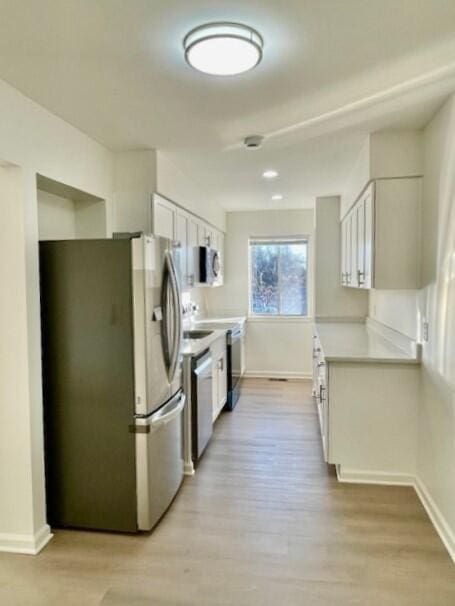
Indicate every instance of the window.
{"type": "Point", "coordinates": [278, 276]}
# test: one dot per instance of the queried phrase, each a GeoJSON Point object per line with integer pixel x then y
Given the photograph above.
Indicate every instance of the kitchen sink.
{"type": "Point", "coordinates": [196, 334]}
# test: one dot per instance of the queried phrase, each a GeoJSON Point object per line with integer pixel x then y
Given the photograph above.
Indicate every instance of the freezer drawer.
{"type": "Point", "coordinates": [159, 460]}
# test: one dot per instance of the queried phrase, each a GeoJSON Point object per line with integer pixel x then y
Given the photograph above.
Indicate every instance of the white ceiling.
{"type": "Point", "coordinates": [332, 71]}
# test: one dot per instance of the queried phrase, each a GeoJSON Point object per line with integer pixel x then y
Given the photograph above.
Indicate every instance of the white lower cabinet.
{"type": "Point", "coordinates": [367, 416]}
{"type": "Point", "coordinates": [219, 370]}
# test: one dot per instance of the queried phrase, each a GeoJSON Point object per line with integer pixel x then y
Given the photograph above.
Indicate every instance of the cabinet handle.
{"type": "Point", "coordinates": [360, 277]}
{"type": "Point", "coordinates": [321, 364]}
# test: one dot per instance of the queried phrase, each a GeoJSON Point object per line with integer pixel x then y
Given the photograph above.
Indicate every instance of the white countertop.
{"type": "Point", "coordinates": [193, 347]}
{"type": "Point", "coordinates": [226, 322]}
{"type": "Point", "coordinates": [353, 342]}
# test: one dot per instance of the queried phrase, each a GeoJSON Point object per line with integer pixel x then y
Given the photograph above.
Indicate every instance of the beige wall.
{"type": "Point", "coordinates": [406, 311]}
{"type": "Point", "coordinates": [274, 347]}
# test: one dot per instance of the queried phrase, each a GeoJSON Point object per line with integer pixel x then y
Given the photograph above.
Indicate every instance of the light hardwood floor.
{"type": "Point", "coordinates": [263, 522]}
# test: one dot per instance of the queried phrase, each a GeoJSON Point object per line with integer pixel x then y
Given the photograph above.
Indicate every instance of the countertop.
{"type": "Point", "coordinates": [353, 342]}
{"type": "Point", "coordinates": [226, 322]}
{"type": "Point", "coordinates": [218, 327]}
{"type": "Point", "coordinates": [193, 347]}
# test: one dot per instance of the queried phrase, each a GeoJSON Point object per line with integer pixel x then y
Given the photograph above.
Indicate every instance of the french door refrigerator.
{"type": "Point", "coordinates": [113, 399]}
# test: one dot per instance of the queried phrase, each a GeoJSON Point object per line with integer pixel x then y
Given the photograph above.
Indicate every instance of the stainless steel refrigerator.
{"type": "Point", "coordinates": [113, 399]}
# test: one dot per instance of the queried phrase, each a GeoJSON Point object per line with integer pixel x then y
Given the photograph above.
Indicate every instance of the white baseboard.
{"type": "Point", "coordinates": [278, 374]}
{"type": "Point", "coordinates": [356, 476]}
{"type": "Point", "coordinates": [434, 513]}
{"type": "Point", "coordinates": [26, 543]}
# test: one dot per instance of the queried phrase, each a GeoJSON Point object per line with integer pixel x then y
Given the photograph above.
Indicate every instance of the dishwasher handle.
{"type": "Point", "coordinates": [199, 370]}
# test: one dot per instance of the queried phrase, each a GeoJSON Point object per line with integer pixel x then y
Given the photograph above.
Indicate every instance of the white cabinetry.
{"type": "Point", "coordinates": [363, 406]}
{"type": "Point", "coordinates": [163, 217]}
{"type": "Point", "coordinates": [380, 236]}
{"type": "Point", "coordinates": [171, 221]}
{"type": "Point", "coordinates": [219, 357]}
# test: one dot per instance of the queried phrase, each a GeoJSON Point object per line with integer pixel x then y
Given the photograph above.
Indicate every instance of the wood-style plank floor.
{"type": "Point", "coordinates": [263, 522]}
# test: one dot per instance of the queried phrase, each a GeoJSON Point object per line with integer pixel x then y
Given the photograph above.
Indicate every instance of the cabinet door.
{"type": "Point", "coordinates": [163, 218]}
{"type": "Point", "coordinates": [360, 211]}
{"type": "Point", "coordinates": [344, 244]}
{"type": "Point", "coordinates": [348, 256]}
{"type": "Point", "coordinates": [193, 231]}
{"type": "Point", "coordinates": [209, 236]}
{"type": "Point", "coordinates": [354, 247]}
{"type": "Point", "coordinates": [202, 241]}
{"type": "Point", "coordinates": [369, 227]}
{"type": "Point", "coordinates": [181, 235]}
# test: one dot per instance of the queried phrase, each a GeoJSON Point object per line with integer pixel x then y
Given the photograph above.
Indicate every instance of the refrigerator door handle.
{"type": "Point", "coordinates": [165, 327]}
{"type": "Point", "coordinates": [168, 412]}
{"type": "Point", "coordinates": [177, 319]}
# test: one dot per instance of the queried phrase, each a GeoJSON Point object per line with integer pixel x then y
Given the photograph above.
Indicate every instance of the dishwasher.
{"type": "Point", "coordinates": [201, 403]}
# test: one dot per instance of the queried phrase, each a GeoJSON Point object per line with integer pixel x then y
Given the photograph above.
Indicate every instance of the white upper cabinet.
{"type": "Point", "coordinates": [171, 221]}
{"type": "Point", "coordinates": [193, 231]}
{"type": "Point", "coordinates": [163, 217]}
{"type": "Point", "coordinates": [380, 236]}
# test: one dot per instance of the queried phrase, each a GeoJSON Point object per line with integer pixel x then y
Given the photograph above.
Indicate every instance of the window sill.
{"type": "Point", "coordinates": [282, 319]}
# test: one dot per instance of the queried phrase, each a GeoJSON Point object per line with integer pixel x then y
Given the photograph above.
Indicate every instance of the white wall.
{"type": "Point", "coordinates": [435, 302]}
{"type": "Point", "coordinates": [36, 142]}
{"type": "Point", "coordinates": [56, 217]}
{"type": "Point", "coordinates": [436, 453]}
{"type": "Point", "coordinates": [331, 300]}
{"type": "Point", "coordinates": [180, 188]}
{"type": "Point", "coordinates": [384, 155]}
{"type": "Point", "coordinates": [274, 347]}
{"type": "Point", "coordinates": [134, 182]}
{"type": "Point", "coordinates": [61, 218]}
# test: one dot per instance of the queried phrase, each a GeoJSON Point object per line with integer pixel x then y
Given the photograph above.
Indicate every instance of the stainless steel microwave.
{"type": "Point", "coordinates": [205, 266]}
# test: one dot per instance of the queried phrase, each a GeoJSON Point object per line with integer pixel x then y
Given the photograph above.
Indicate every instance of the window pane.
{"type": "Point", "coordinates": [264, 279]}
{"type": "Point", "coordinates": [293, 287]}
{"type": "Point", "coordinates": [279, 278]}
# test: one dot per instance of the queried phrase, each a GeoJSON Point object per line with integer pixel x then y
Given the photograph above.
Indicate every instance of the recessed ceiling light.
{"type": "Point", "coordinates": [270, 174]}
{"type": "Point", "coordinates": [277, 197]}
{"type": "Point", "coordinates": [223, 49]}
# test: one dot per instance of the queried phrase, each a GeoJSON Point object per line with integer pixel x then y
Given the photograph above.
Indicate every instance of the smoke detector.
{"type": "Point", "coordinates": [253, 141]}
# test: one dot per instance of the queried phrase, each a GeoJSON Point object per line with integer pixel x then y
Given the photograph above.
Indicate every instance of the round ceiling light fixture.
{"type": "Point", "coordinates": [270, 174]}
{"type": "Point", "coordinates": [223, 49]}
{"type": "Point", "coordinates": [277, 197]}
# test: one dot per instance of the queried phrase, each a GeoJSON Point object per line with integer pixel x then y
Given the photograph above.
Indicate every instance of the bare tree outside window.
{"type": "Point", "coordinates": [278, 271]}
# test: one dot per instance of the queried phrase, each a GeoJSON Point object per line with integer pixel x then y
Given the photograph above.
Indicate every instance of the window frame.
{"type": "Point", "coordinates": [278, 316]}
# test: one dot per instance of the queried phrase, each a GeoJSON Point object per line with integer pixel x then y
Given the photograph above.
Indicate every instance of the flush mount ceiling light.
{"type": "Point", "coordinates": [270, 174]}
{"type": "Point", "coordinates": [223, 49]}
{"type": "Point", "coordinates": [277, 197]}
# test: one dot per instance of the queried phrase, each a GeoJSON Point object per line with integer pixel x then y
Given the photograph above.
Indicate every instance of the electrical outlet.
{"type": "Point", "coordinates": [425, 331]}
